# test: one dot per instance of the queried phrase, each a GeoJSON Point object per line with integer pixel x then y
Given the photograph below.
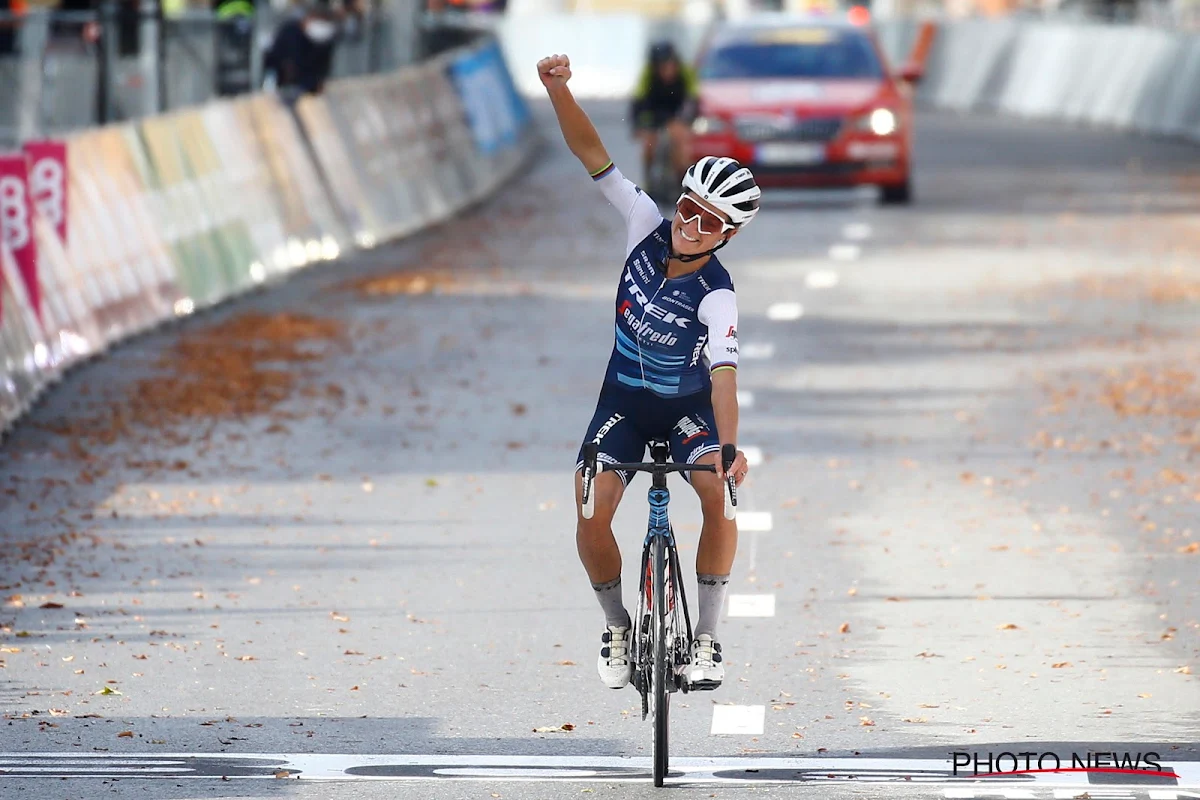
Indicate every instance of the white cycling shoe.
{"type": "Point", "coordinates": [614, 665]}
{"type": "Point", "coordinates": [706, 671]}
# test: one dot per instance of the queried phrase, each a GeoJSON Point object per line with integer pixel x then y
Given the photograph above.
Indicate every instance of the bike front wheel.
{"type": "Point", "coordinates": [663, 668]}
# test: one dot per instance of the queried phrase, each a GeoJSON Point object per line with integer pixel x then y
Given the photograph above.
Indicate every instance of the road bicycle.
{"type": "Point", "coordinates": [661, 637]}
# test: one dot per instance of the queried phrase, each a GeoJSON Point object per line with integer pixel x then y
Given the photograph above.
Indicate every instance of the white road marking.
{"type": "Point", "coordinates": [785, 311]}
{"type": "Point", "coordinates": [845, 252]}
{"type": "Point", "coordinates": [857, 231]}
{"type": "Point", "coordinates": [738, 720]}
{"type": "Point", "coordinates": [754, 455]}
{"type": "Point", "coordinates": [758, 351]}
{"type": "Point", "coordinates": [754, 520]}
{"type": "Point", "coordinates": [751, 605]}
{"type": "Point", "coordinates": [544, 768]}
{"type": "Point", "coordinates": [821, 279]}
{"type": "Point", "coordinates": [745, 398]}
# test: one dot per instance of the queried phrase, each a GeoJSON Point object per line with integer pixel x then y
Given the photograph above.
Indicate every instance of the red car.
{"type": "Point", "coordinates": [806, 102]}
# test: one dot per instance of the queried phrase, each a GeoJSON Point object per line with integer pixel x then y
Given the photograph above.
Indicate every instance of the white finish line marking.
{"type": "Point", "coordinates": [821, 279]}
{"type": "Point", "coordinates": [754, 455]}
{"type": "Point", "coordinates": [785, 311]}
{"type": "Point", "coordinates": [579, 769]}
{"type": "Point", "coordinates": [738, 720]}
{"type": "Point", "coordinates": [751, 605]}
{"type": "Point", "coordinates": [845, 252]}
{"type": "Point", "coordinates": [745, 398]}
{"type": "Point", "coordinates": [758, 351]}
{"type": "Point", "coordinates": [755, 520]}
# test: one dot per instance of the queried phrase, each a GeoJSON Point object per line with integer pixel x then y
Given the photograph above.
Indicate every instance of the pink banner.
{"type": "Point", "coordinates": [48, 182]}
{"type": "Point", "coordinates": [16, 223]}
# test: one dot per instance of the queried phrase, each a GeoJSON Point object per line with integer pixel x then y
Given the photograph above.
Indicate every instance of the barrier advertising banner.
{"type": "Point", "coordinates": [496, 112]}
{"type": "Point", "coordinates": [16, 222]}
{"type": "Point", "coordinates": [48, 182]}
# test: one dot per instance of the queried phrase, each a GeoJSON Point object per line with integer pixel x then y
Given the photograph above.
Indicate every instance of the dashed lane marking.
{"type": "Point", "coordinates": [738, 720]}
{"type": "Point", "coordinates": [751, 605]}
{"type": "Point", "coordinates": [783, 312]}
{"type": "Point", "coordinates": [754, 520]}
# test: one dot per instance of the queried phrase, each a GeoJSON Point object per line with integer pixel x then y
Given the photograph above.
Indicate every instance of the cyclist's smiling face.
{"type": "Point", "coordinates": [697, 226]}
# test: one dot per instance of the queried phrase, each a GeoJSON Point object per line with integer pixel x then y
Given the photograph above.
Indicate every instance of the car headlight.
{"type": "Point", "coordinates": [704, 126]}
{"type": "Point", "coordinates": [881, 122]}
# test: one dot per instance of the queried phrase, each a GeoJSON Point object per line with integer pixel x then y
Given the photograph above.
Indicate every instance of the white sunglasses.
{"type": "Point", "coordinates": [688, 210]}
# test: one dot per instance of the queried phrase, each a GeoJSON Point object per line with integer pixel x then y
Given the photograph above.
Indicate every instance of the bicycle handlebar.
{"type": "Point", "coordinates": [591, 468]}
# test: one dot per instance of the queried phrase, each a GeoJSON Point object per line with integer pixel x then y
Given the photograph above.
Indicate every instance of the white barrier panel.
{"type": "Point", "coordinates": [1126, 77]}
{"type": "Point", "coordinates": [24, 356]}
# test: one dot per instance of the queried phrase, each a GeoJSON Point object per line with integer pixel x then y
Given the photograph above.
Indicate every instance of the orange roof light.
{"type": "Point", "coordinates": [859, 15]}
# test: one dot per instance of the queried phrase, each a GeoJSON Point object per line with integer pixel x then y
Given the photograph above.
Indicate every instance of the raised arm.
{"type": "Point", "coordinates": [578, 131]}
{"type": "Point", "coordinates": [635, 206]}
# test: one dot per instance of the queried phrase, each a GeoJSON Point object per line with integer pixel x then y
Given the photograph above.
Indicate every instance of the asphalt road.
{"type": "Point", "coordinates": [974, 522]}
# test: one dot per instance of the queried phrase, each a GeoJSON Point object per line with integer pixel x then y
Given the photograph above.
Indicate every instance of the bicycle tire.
{"type": "Point", "coordinates": [662, 667]}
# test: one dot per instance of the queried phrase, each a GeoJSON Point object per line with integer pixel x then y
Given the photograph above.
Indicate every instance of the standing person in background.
{"type": "Point", "coordinates": [9, 28]}
{"type": "Point", "coordinates": [301, 56]}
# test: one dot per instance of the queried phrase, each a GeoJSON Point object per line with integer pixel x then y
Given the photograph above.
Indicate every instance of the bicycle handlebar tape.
{"type": "Point", "coordinates": [728, 454]}
{"type": "Point", "coordinates": [591, 452]}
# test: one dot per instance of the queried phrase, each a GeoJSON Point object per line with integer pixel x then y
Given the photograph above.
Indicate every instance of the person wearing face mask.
{"type": "Point", "coordinates": [301, 56]}
{"type": "Point", "coordinates": [674, 299]}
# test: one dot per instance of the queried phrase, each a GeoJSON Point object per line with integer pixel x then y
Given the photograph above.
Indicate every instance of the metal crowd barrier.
{"type": "Point", "coordinates": [117, 229]}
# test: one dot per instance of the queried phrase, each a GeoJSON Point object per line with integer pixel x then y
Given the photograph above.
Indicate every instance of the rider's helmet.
{"type": "Point", "coordinates": [725, 184]}
{"type": "Point", "coordinates": [662, 51]}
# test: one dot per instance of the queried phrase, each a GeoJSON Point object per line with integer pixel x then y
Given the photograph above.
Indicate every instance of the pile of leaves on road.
{"type": "Point", "coordinates": [247, 365]}
{"type": "Point", "coordinates": [243, 367]}
{"type": "Point", "coordinates": [399, 283]}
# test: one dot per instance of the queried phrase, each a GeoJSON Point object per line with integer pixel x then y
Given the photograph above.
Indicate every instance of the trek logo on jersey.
{"type": "Point", "coordinates": [669, 317]}
{"type": "Point", "coordinates": [691, 429]}
{"type": "Point", "coordinates": [606, 427]}
{"type": "Point", "coordinates": [644, 330]}
{"type": "Point", "coordinates": [699, 348]}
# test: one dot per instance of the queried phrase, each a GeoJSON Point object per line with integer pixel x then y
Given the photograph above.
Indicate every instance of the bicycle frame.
{"type": "Point", "coordinates": [655, 622]}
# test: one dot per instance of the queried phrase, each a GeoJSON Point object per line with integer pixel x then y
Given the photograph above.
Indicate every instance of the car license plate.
{"type": "Point", "coordinates": [791, 153]}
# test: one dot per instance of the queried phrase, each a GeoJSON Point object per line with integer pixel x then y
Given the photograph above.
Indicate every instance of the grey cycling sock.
{"type": "Point", "coordinates": [712, 600]}
{"type": "Point", "coordinates": [609, 595]}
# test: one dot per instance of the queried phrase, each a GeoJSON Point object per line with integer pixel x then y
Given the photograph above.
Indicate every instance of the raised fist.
{"type": "Point", "coordinates": [554, 69]}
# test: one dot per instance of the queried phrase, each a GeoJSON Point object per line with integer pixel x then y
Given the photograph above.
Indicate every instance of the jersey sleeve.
{"type": "Point", "coordinates": [635, 206]}
{"type": "Point", "coordinates": [718, 311]}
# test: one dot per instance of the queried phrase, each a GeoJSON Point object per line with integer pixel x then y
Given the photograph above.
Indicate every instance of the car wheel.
{"type": "Point", "coordinates": [897, 194]}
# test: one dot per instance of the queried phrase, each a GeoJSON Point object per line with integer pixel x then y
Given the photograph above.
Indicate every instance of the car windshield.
{"type": "Point", "coordinates": [791, 53]}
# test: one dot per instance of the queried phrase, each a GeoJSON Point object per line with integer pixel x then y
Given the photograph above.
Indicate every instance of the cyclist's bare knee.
{"type": "Point", "coordinates": [710, 490]}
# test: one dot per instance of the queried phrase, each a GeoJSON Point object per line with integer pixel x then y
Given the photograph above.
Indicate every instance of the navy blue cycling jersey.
{"type": "Point", "coordinates": [664, 326]}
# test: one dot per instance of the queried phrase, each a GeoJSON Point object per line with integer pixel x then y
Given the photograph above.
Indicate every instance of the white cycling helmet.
{"type": "Point", "coordinates": [725, 184]}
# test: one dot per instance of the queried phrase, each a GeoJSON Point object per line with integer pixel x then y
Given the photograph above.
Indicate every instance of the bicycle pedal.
{"type": "Point", "coordinates": [704, 686]}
